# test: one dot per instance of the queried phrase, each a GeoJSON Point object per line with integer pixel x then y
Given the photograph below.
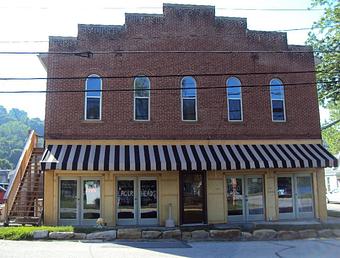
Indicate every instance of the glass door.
{"type": "Point", "coordinates": [193, 191]}
{"type": "Point", "coordinates": [69, 202]}
{"type": "Point", "coordinates": [90, 201]}
{"type": "Point", "coordinates": [148, 202]}
{"type": "Point", "coordinates": [126, 202]}
{"type": "Point", "coordinates": [235, 199]}
{"type": "Point", "coordinates": [254, 198]}
{"type": "Point", "coordinates": [304, 196]}
{"type": "Point", "coordinates": [245, 199]}
{"type": "Point", "coordinates": [137, 201]}
{"type": "Point", "coordinates": [295, 196]}
{"type": "Point", "coordinates": [79, 201]}
{"type": "Point", "coordinates": [285, 197]}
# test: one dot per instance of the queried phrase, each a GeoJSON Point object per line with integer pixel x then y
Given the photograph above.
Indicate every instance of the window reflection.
{"type": "Point", "coordinates": [142, 97]}
{"type": "Point", "coordinates": [189, 102]}
{"type": "Point", "coordinates": [234, 99]}
{"type": "Point", "coordinates": [277, 99]}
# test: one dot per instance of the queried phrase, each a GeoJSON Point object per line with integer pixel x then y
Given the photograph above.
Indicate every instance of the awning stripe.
{"type": "Point", "coordinates": [214, 155]}
{"type": "Point", "coordinates": [313, 154]}
{"type": "Point", "coordinates": [284, 162]}
{"type": "Point", "coordinates": [151, 154]}
{"type": "Point", "coordinates": [331, 162]}
{"type": "Point", "coordinates": [195, 156]}
{"type": "Point", "coordinates": [261, 156]}
{"type": "Point", "coordinates": [184, 157]}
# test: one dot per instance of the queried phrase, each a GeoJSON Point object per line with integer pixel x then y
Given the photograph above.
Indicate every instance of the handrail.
{"type": "Point", "coordinates": [20, 169]}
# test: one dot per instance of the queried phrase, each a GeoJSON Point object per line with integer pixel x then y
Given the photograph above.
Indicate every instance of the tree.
{"type": "Point", "coordinates": [14, 126]}
{"type": "Point", "coordinates": [331, 135]}
{"type": "Point", "coordinates": [325, 37]}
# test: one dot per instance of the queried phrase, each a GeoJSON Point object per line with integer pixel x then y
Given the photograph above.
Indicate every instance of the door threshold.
{"type": "Point", "coordinates": [194, 224]}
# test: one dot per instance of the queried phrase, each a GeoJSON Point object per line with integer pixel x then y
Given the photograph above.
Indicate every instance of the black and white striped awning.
{"type": "Point", "coordinates": [185, 157]}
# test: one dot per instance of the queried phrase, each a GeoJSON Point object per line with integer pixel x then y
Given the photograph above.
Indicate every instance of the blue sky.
{"type": "Point", "coordinates": [35, 20]}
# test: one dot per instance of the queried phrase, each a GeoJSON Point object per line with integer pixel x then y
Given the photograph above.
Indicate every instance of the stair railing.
{"type": "Point", "coordinates": [20, 169]}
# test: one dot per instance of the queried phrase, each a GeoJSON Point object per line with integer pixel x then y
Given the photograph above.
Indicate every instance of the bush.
{"type": "Point", "coordinates": [26, 233]}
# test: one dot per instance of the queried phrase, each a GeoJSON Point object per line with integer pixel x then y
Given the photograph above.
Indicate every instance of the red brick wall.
{"type": "Point", "coordinates": [180, 28]}
{"type": "Point", "coordinates": [2, 194]}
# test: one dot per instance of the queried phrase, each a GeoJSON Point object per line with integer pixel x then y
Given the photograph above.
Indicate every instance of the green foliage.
{"type": "Point", "coordinates": [26, 233]}
{"type": "Point", "coordinates": [14, 127]}
{"type": "Point", "coordinates": [331, 135]}
{"type": "Point", "coordinates": [326, 37]}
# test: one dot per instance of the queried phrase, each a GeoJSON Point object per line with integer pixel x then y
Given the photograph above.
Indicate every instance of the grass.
{"type": "Point", "coordinates": [26, 233]}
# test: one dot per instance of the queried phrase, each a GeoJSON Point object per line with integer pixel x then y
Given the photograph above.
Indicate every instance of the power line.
{"type": "Point", "coordinates": [163, 75]}
{"type": "Point", "coordinates": [330, 124]}
{"type": "Point", "coordinates": [277, 30]}
{"type": "Point", "coordinates": [45, 8]}
{"type": "Point", "coordinates": [90, 54]}
{"type": "Point", "coordinates": [163, 89]}
{"type": "Point", "coordinates": [46, 41]}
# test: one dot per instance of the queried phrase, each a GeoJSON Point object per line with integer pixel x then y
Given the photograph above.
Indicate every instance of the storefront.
{"type": "Point", "coordinates": [197, 184]}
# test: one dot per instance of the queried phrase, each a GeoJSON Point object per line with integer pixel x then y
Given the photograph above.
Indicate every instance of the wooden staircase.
{"type": "Point", "coordinates": [24, 197]}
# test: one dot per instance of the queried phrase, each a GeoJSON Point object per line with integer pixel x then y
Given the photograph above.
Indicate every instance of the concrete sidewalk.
{"type": "Point", "coordinates": [154, 249]}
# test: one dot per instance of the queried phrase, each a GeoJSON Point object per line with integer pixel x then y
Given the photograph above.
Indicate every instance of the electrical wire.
{"type": "Point", "coordinates": [46, 41]}
{"type": "Point", "coordinates": [168, 89]}
{"type": "Point", "coordinates": [46, 8]}
{"type": "Point", "coordinates": [165, 75]}
{"type": "Point", "coordinates": [89, 54]}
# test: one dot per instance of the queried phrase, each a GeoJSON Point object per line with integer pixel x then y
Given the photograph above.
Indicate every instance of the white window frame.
{"type": "Point", "coordinates": [240, 98]}
{"type": "Point", "coordinates": [283, 101]}
{"type": "Point", "coordinates": [183, 98]}
{"type": "Point", "coordinates": [100, 98]}
{"type": "Point", "coordinates": [135, 97]}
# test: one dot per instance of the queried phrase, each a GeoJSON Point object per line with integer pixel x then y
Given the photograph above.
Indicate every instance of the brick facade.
{"type": "Point", "coordinates": [180, 28]}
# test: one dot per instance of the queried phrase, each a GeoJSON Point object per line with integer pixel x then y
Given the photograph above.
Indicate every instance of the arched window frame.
{"type": "Point", "coordinates": [135, 97]}
{"type": "Point", "coordinates": [282, 99]}
{"type": "Point", "coordinates": [88, 96]}
{"type": "Point", "coordinates": [234, 98]}
{"type": "Point", "coordinates": [184, 98]}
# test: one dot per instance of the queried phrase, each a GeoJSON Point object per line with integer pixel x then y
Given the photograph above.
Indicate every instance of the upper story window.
{"type": "Point", "coordinates": [189, 101]}
{"type": "Point", "coordinates": [142, 98]}
{"type": "Point", "coordinates": [93, 97]}
{"type": "Point", "coordinates": [234, 99]}
{"type": "Point", "coordinates": [277, 97]}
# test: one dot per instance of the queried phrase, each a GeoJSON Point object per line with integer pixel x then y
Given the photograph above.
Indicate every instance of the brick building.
{"type": "Point", "coordinates": [186, 110]}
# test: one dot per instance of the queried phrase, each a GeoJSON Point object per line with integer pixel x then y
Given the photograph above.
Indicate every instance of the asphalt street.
{"type": "Point", "coordinates": [158, 249]}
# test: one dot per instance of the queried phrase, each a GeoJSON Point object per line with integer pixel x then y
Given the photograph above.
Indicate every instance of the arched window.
{"type": "Point", "coordinates": [93, 97]}
{"type": "Point", "coordinates": [142, 98]}
{"type": "Point", "coordinates": [189, 102]}
{"type": "Point", "coordinates": [277, 97]}
{"type": "Point", "coordinates": [234, 99]}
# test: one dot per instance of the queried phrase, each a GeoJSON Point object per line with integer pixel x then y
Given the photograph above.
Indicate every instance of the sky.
{"type": "Point", "coordinates": [35, 20]}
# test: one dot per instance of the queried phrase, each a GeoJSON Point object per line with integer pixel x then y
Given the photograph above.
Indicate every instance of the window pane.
{"type": "Point", "coordinates": [93, 83]}
{"type": "Point", "coordinates": [234, 109]}
{"type": "Point", "coordinates": [188, 87]}
{"type": "Point", "coordinates": [68, 199]}
{"type": "Point", "coordinates": [91, 199]}
{"type": "Point", "coordinates": [148, 199]}
{"type": "Point", "coordinates": [234, 196]}
{"type": "Point", "coordinates": [234, 89]}
{"type": "Point", "coordinates": [276, 92]}
{"type": "Point", "coordinates": [142, 87]}
{"type": "Point", "coordinates": [189, 109]}
{"type": "Point", "coordinates": [142, 109]}
{"type": "Point", "coordinates": [276, 89]}
{"type": "Point", "coordinates": [278, 110]}
{"type": "Point", "coordinates": [93, 108]}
